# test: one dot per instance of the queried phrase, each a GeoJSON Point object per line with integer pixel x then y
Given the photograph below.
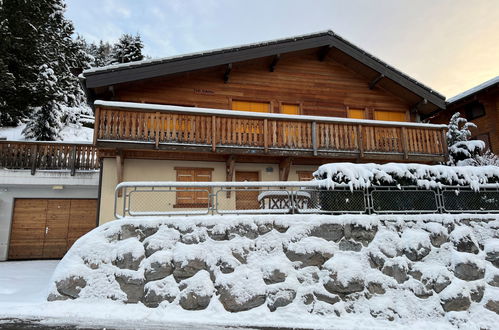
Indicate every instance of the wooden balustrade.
{"type": "Point", "coordinates": [48, 156]}
{"type": "Point", "coordinates": [271, 133]}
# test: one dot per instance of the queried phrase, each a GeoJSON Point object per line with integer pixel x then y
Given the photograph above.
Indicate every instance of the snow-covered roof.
{"type": "Point", "coordinates": [144, 69]}
{"type": "Point", "coordinates": [474, 90]}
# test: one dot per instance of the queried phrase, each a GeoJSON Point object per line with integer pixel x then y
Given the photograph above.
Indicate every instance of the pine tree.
{"type": "Point", "coordinates": [462, 151]}
{"type": "Point", "coordinates": [128, 49]}
{"type": "Point", "coordinates": [46, 121]}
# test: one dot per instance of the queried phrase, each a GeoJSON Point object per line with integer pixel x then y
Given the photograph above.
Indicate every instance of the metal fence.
{"type": "Point", "coordinates": [203, 198]}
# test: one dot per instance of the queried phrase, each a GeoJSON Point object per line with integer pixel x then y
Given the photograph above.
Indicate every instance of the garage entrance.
{"type": "Point", "coordinates": [47, 228]}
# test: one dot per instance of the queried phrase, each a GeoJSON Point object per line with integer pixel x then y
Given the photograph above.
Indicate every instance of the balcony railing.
{"type": "Point", "coordinates": [48, 156]}
{"type": "Point", "coordinates": [173, 127]}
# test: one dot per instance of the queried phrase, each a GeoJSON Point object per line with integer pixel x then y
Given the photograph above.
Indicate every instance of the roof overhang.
{"type": "Point", "coordinates": [122, 73]}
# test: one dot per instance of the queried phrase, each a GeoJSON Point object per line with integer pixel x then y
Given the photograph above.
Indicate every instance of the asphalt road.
{"type": "Point", "coordinates": [32, 324]}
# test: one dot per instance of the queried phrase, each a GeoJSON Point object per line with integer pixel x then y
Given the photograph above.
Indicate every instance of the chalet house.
{"type": "Point", "coordinates": [261, 112]}
{"type": "Point", "coordinates": [480, 105]}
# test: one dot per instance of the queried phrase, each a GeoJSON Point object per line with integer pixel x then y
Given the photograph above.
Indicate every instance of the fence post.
{"type": "Point", "coordinates": [34, 152]}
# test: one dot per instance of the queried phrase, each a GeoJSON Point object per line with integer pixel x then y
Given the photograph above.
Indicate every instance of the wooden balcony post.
{"type": "Point", "coordinates": [96, 124]}
{"type": "Point", "coordinates": [405, 145]}
{"type": "Point", "coordinates": [314, 137]}
{"type": "Point", "coordinates": [266, 135]}
{"type": "Point", "coordinates": [360, 141]}
{"type": "Point", "coordinates": [157, 122]}
{"type": "Point", "coordinates": [72, 160]}
{"type": "Point", "coordinates": [34, 157]}
{"type": "Point", "coordinates": [213, 133]}
{"type": "Point", "coordinates": [445, 147]}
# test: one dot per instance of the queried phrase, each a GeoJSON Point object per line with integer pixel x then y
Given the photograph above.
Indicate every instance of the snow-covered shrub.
{"type": "Point", "coordinates": [463, 151]}
{"type": "Point", "coordinates": [361, 176]}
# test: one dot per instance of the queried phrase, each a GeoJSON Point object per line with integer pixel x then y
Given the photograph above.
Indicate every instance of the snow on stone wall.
{"type": "Point", "coordinates": [398, 268]}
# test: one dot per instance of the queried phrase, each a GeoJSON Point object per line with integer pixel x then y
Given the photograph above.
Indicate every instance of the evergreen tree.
{"type": "Point", "coordinates": [128, 49]}
{"type": "Point", "coordinates": [36, 43]}
{"type": "Point", "coordinates": [462, 151]}
{"type": "Point", "coordinates": [46, 119]}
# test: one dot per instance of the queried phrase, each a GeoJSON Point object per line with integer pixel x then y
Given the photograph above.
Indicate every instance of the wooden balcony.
{"type": "Point", "coordinates": [48, 156]}
{"type": "Point", "coordinates": [124, 125]}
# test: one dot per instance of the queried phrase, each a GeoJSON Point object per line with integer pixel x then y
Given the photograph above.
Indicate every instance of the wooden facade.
{"type": "Point", "coordinates": [481, 108]}
{"type": "Point", "coordinates": [299, 83]}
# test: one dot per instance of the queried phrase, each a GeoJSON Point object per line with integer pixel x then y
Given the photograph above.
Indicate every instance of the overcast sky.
{"type": "Point", "coordinates": [450, 45]}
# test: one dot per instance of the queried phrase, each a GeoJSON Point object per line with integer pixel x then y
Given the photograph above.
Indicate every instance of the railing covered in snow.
{"type": "Point", "coordinates": [286, 197]}
{"type": "Point", "coordinates": [174, 127]}
{"type": "Point", "coordinates": [34, 156]}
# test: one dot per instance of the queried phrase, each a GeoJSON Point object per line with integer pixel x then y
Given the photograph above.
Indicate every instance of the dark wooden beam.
{"type": "Point", "coordinates": [120, 162]}
{"type": "Point", "coordinates": [416, 107]}
{"type": "Point", "coordinates": [324, 51]}
{"type": "Point", "coordinates": [376, 80]}
{"type": "Point", "coordinates": [227, 72]}
{"type": "Point", "coordinates": [230, 166]}
{"type": "Point", "coordinates": [274, 62]}
{"type": "Point", "coordinates": [284, 168]}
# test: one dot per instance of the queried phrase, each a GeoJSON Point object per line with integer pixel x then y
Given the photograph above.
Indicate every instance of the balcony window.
{"type": "Point", "coordinates": [251, 106]}
{"type": "Point", "coordinates": [290, 109]}
{"type": "Point", "coordinates": [390, 115]}
{"type": "Point", "coordinates": [357, 113]}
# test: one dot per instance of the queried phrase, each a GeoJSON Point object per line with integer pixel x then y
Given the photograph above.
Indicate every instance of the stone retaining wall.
{"type": "Point", "coordinates": [388, 267]}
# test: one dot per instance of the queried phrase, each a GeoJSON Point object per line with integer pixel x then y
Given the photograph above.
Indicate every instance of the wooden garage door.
{"type": "Point", "coordinates": [47, 228]}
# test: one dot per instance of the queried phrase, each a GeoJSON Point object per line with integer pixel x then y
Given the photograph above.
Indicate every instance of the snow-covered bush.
{"type": "Point", "coordinates": [463, 151]}
{"type": "Point", "coordinates": [360, 176]}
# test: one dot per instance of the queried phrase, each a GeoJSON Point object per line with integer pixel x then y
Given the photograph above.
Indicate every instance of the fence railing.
{"type": "Point", "coordinates": [203, 198]}
{"type": "Point", "coordinates": [48, 156]}
{"type": "Point", "coordinates": [161, 125]}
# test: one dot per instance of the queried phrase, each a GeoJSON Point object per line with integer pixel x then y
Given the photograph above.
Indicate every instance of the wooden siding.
{"type": "Point", "coordinates": [487, 124]}
{"type": "Point", "coordinates": [323, 88]}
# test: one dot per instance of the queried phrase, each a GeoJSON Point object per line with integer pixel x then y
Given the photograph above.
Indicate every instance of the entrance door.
{"type": "Point", "coordinates": [247, 200]}
{"type": "Point", "coordinates": [47, 228]}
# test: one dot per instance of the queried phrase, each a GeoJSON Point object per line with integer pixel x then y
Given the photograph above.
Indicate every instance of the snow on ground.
{"type": "Point", "coordinates": [24, 285]}
{"type": "Point", "coordinates": [70, 133]}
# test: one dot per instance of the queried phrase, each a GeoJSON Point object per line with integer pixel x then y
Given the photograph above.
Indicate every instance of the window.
{"type": "Point", "coordinates": [357, 113]}
{"type": "Point", "coordinates": [390, 115]}
{"type": "Point", "coordinates": [251, 106]}
{"type": "Point", "coordinates": [474, 110]}
{"type": "Point", "coordinates": [305, 175]}
{"type": "Point", "coordinates": [186, 197]}
{"type": "Point", "coordinates": [290, 109]}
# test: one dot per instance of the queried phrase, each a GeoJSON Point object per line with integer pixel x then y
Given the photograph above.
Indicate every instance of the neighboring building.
{"type": "Point", "coordinates": [48, 197]}
{"type": "Point", "coordinates": [479, 105]}
{"type": "Point", "coordinates": [266, 112]}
